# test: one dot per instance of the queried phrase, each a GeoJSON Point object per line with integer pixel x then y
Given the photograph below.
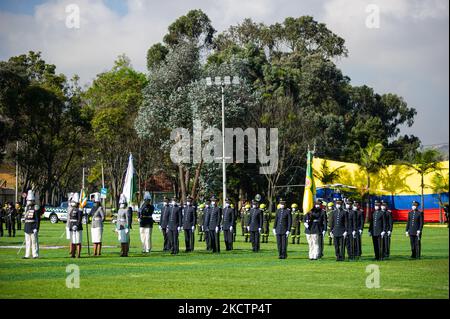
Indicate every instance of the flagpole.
{"type": "Point", "coordinates": [85, 214]}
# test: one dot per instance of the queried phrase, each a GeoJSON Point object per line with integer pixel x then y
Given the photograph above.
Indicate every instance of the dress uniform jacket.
{"type": "Point", "coordinates": [351, 221]}
{"type": "Point", "coordinates": [165, 211]}
{"type": "Point", "coordinates": [313, 218]}
{"type": "Point", "coordinates": [214, 218]}
{"type": "Point", "coordinates": [228, 218]}
{"type": "Point", "coordinates": [75, 218]}
{"type": "Point", "coordinates": [338, 222]}
{"type": "Point", "coordinates": [189, 217]}
{"type": "Point", "coordinates": [256, 219]}
{"type": "Point", "coordinates": [283, 221]}
{"type": "Point", "coordinates": [175, 218]}
{"type": "Point", "coordinates": [415, 222]}
{"type": "Point", "coordinates": [31, 219]}
{"type": "Point", "coordinates": [377, 223]}
{"type": "Point", "coordinates": [389, 220]}
{"type": "Point", "coordinates": [145, 214]}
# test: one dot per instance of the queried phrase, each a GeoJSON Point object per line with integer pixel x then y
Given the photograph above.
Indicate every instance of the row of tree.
{"type": "Point", "coordinates": [289, 81]}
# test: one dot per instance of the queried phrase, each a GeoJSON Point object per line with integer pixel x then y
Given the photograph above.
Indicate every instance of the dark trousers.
{"type": "Point", "coordinates": [173, 241]}
{"type": "Point", "coordinates": [255, 240]}
{"type": "Point", "coordinates": [321, 245]}
{"type": "Point", "coordinates": [415, 242]}
{"type": "Point", "coordinates": [11, 226]}
{"type": "Point", "coordinates": [214, 240]}
{"type": "Point", "coordinates": [339, 247]}
{"type": "Point", "coordinates": [207, 240]}
{"type": "Point", "coordinates": [350, 243]}
{"type": "Point", "coordinates": [378, 247]}
{"type": "Point", "coordinates": [386, 245]}
{"type": "Point", "coordinates": [1, 227]}
{"type": "Point", "coordinates": [19, 224]}
{"type": "Point", "coordinates": [189, 239]}
{"type": "Point", "coordinates": [166, 239]}
{"type": "Point", "coordinates": [228, 239]}
{"type": "Point", "coordinates": [234, 232]}
{"type": "Point", "coordinates": [358, 251]}
{"type": "Point", "coordinates": [282, 246]}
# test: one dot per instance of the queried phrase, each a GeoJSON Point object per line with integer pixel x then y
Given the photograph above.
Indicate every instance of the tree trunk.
{"type": "Point", "coordinates": [196, 178]}
{"type": "Point", "coordinates": [368, 198]}
{"type": "Point", "coordinates": [422, 186]}
{"type": "Point", "coordinates": [182, 182]}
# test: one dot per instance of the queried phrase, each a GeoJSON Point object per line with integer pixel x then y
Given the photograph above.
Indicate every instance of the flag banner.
{"type": "Point", "coordinates": [83, 198]}
{"type": "Point", "coordinates": [310, 187]}
{"type": "Point", "coordinates": [129, 186]}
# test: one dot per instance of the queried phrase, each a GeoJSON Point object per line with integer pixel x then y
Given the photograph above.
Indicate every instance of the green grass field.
{"type": "Point", "coordinates": [237, 274]}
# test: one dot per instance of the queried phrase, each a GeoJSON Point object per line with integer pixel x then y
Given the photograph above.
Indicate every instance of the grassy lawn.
{"type": "Point", "coordinates": [237, 274]}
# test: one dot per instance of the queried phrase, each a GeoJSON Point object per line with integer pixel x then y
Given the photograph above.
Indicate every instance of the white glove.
{"type": "Point", "coordinates": [287, 233]}
{"type": "Point", "coordinates": [306, 225]}
{"type": "Point", "coordinates": [389, 233]}
{"type": "Point", "coordinates": [114, 221]}
{"type": "Point", "coordinates": [331, 234]}
{"type": "Point", "coordinates": [160, 228]}
{"type": "Point", "coordinates": [406, 233]}
{"type": "Point", "coordinates": [248, 228]}
{"type": "Point", "coordinates": [193, 228]}
{"type": "Point", "coordinates": [35, 231]}
{"type": "Point", "coordinates": [259, 229]}
{"type": "Point", "coordinates": [418, 232]}
{"type": "Point", "coordinates": [126, 230]}
{"type": "Point", "coordinates": [139, 220]}
{"type": "Point", "coordinates": [217, 229]}
{"type": "Point", "coordinates": [382, 233]}
{"type": "Point", "coordinates": [274, 231]}
{"type": "Point", "coordinates": [74, 228]}
{"type": "Point", "coordinates": [231, 228]}
{"type": "Point", "coordinates": [344, 234]}
{"type": "Point", "coordinates": [360, 231]}
{"type": "Point", "coordinates": [323, 233]}
{"type": "Point", "coordinates": [178, 228]}
{"type": "Point", "coordinates": [370, 234]}
{"type": "Point", "coordinates": [353, 233]}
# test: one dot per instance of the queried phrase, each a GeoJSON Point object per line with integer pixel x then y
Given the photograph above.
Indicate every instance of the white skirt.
{"type": "Point", "coordinates": [123, 237]}
{"type": "Point", "coordinates": [76, 236]}
{"type": "Point", "coordinates": [96, 234]}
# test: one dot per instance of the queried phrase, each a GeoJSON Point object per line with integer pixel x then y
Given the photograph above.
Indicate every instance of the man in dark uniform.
{"type": "Point", "coordinates": [245, 214]}
{"type": "Point", "coordinates": [323, 227]}
{"type": "Point", "coordinates": [165, 211]}
{"type": "Point", "coordinates": [200, 214]}
{"type": "Point", "coordinates": [189, 222]}
{"type": "Point", "coordinates": [351, 229]}
{"type": "Point", "coordinates": [11, 220]}
{"type": "Point", "coordinates": [338, 230]}
{"type": "Point", "coordinates": [359, 228]}
{"type": "Point", "coordinates": [266, 223]}
{"type": "Point", "coordinates": [281, 227]}
{"type": "Point", "coordinates": [414, 228]}
{"type": "Point", "coordinates": [174, 226]}
{"type": "Point", "coordinates": [377, 230]}
{"type": "Point", "coordinates": [228, 223]}
{"type": "Point", "coordinates": [214, 220]}
{"type": "Point", "coordinates": [19, 215]}
{"type": "Point", "coordinates": [206, 217]}
{"type": "Point", "coordinates": [2, 219]}
{"type": "Point", "coordinates": [31, 227]}
{"type": "Point", "coordinates": [389, 226]}
{"type": "Point", "coordinates": [145, 219]}
{"type": "Point", "coordinates": [255, 226]}
{"type": "Point", "coordinates": [296, 221]}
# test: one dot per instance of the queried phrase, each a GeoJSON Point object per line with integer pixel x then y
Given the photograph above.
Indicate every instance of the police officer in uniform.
{"type": "Point", "coordinates": [189, 222]}
{"type": "Point", "coordinates": [206, 217]}
{"type": "Point", "coordinates": [215, 218]}
{"type": "Point", "coordinates": [19, 215]}
{"type": "Point", "coordinates": [200, 214]}
{"type": "Point", "coordinates": [31, 227]}
{"type": "Point", "coordinates": [174, 226]}
{"type": "Point", "coordinates": [255, 225]}
{"type": "Point", "coordinates": [296, 220]}
{"type": "Point", "coordinates": [338, 230]}
{"type": "Point", "coordinates": [228, 224]}
{"type": "Point", "coordinates": [330, 209]}
{"type": "Point", "coordinates": [98, 217]}
{"type": "Point", "coordinates": [359, 213]}
{"type": "Point", "coordinates": [75, 226]}
{"type": "Point", "coordinates": [245, 218]}
{"type": "Point", "coordinates": [11, 220]}
{"type": "Point", "coordinates": [377, 230]}
{"type": "Point", "coordinates": [323, 227]}
{"type": "Point", "coordinates": [266, 223]}
{"type": "Point", "coordinates": [312, 222]}
{"type": "Point", "coordinates": [389, 227]}
{"type": "Point", "coordinates": [351, 229]}
{"type": "Point", "coordinates": [414, 228]}
{"type": "Point", "coordinates": [123, 226]}
{"type": "Point", "coordinates": [165, 210]}
{"type": "Point", "coordinates": [281, 227]}
{"type": "Point", "coordinates": [145, 219]}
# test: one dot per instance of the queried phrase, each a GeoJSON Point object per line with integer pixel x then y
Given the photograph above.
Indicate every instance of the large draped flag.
{"type": "Point", "coordinates": [310, 187]}
{"type": "Point", "coordinates": [130, 186]}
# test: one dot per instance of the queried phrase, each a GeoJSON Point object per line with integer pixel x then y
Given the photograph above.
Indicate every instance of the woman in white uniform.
{"type": "Point", "coordinates": [75, 226]}
{"type": "Point", "coordinates": [98, 217]}
{"type": "Point", "coordinates": [122, 227]}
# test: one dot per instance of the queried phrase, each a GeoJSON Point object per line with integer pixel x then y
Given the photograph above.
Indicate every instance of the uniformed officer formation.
{"type": "Point", "coordinates": [343, 220]}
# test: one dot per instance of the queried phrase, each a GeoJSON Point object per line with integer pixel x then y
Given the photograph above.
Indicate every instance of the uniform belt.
{"type": "Point", "coordinates": [74, 220]}
{"type": "Point", "coordinates": [122, 220]}
{"type": "Point", "coordinates": [97, 218]}
{"type": "Point", "coordinates": [29, 221]}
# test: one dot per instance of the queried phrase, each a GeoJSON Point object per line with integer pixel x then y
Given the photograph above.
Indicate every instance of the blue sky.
{"type": "Point", "coordinates": [407, 55]}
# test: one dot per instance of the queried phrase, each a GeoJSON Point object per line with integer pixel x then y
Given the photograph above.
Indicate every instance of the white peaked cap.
{"type": "Point", "coordinates": [75, 198]}
{"type": "Point", "coordinates": [147, 196]}
{"type": "Point", "coordinates": [30, 195]}
{"type": "Point", "coordinates": [96, 197]}
{"type": "Point", "coordinates": [123, 199]}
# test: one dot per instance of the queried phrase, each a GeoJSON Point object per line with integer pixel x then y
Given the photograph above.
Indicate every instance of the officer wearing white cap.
{"type": "Point", "coordinates": [98, 217]}
{"type": "Point", "coordinates": [31, 228]}
{"type": "Point", "coordinates": [74, 219]}
{"type": "Point", "coordinates": [122, 226]}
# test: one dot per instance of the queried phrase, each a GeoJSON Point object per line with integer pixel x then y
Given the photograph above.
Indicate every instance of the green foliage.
{"type": "Point", "coordinates": [155, 55]}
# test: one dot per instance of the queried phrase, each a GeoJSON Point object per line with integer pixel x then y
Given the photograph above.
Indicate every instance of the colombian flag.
{"type": "Point", "coordinates": [310, 187]}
